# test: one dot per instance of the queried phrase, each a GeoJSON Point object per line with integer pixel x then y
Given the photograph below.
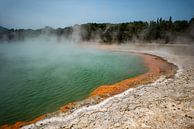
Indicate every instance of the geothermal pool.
{"type": "Point", "coordinates": [37, 78]}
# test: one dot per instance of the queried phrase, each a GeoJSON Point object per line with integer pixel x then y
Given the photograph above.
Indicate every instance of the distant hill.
{"type": "Point", "coordinates": [161, 31]}
{"type": "Point", "coordinates": [3, 29]}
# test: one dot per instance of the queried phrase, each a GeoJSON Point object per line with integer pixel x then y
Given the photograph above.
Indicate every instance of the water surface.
{"type": "Point", "coordinates": [37, 78]}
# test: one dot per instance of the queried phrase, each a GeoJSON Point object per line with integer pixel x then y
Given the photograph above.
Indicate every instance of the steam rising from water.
{"type": "Point", "coordinates": [40, 75]}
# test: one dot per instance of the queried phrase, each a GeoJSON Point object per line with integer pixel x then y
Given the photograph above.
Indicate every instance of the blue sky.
{"type": "Point", "coordinates": [61, 13]}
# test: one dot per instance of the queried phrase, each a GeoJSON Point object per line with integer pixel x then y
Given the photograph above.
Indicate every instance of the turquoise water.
{"type": "Point", "coordinates": [39, 78]}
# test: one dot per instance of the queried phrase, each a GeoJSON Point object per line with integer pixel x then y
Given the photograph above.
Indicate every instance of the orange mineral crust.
{"type": "Point", "coordinates": [18, 125]}
{"type": "Point", "coordinates": [156, 65]}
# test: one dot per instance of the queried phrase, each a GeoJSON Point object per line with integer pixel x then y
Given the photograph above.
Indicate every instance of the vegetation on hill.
{"type": "Point", "coordinates": [158, 31]}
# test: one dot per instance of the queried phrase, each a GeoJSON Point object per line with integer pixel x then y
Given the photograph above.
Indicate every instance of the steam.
{"type": "Point", "coordinates": [49, 40]}
{"type": "Point", "coordinates": [47, 50]}
{"type": "Point", "coordinates": [176, 49]}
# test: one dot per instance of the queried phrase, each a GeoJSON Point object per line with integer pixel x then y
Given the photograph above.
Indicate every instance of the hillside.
{"type": "Point", "coordinates": [163, 31]}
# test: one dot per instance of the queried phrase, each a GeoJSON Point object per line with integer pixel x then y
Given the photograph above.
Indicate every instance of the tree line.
{"type": "Point", "coordinates": [161, 30]}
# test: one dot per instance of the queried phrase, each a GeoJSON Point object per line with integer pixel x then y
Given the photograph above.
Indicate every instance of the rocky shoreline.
{"type": "Point", "coordinates": [166, 103]}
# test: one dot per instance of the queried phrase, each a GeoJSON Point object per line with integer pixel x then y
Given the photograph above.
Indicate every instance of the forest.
{"type": "Point", "coordinates": [160, 30]}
